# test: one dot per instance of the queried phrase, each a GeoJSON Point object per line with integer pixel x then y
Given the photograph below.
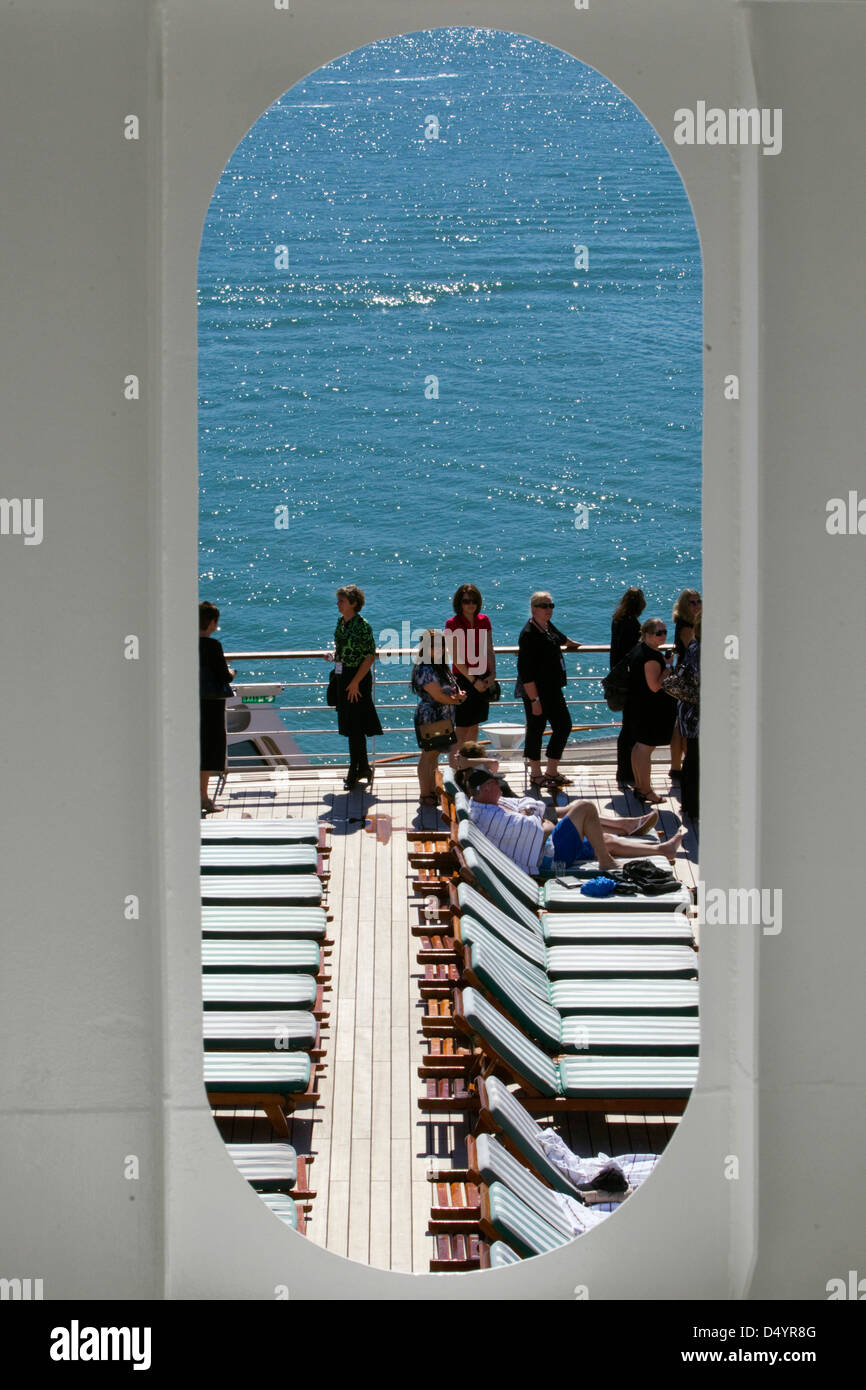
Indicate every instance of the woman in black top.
{"type": "Point", "coordinates": [353, 657]}
{"type": "Point", "coordinates": [540, 679]}
{"type": "Point", "coordinates": [624, 636]}
{"type": "Point", "coordinates": [213, 681]}
{"type": "Point", "coordinates": [687, 611]}
{"type": "Point", "coordinates": [651, 710]}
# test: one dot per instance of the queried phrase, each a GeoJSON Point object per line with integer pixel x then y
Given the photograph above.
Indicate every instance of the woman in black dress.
{"type": "Point", "coordinates": [624, 636]}
{"type": "Point", "coordinates": [540, 680]}
{"type": "Point", "coordinates": [213, 682]}
{"type": "Point", "coordinates": [651, 712]}
{"type": "Point", "coordinates": [354, 654]}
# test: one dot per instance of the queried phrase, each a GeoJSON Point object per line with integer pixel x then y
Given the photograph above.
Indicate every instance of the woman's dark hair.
{"type": "Point", "coordinates": [207, 613]}
{"type": "Point", "coordinates": [631, 605]}
{"type": "Point", "coordinates": [353, 594]}
{"type": "Point", "coordinates": [651, 625]}
{"type": "Point", "coordinates": [465, 591]}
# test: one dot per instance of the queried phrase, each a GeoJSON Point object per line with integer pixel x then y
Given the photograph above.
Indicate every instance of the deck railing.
{"type": "Point", "coordinates": [583, 693]}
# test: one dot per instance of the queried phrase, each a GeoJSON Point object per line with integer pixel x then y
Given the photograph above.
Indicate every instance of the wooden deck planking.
{"type": "Point", "coordinates": [371, 1144]}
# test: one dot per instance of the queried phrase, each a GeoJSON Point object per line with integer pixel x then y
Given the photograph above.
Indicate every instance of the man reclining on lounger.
{"type": "Point", "coordinates": [517, 826]}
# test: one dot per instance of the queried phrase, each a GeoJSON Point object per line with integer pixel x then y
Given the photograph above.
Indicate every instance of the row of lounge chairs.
{"type": "Point", "coordinates": [573, 1002]}
{"type": "Point", "coordinates": [264, 950]}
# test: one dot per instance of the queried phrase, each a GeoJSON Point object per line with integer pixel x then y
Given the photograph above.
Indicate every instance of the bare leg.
{"type": "Point", "coordinates": [641, 761]}
{"type": "Point", "coordinates": [617, 825]}
{"type": "Point", "coordinates": [678, 748]}
{"type": "Point", "coordinates": [206, 803]}
{"type": "Point", "coordinates": [608, 847]}
{"type": "Point", "coordinates": [427, 773]}
{"type": "Point", "coordinates": [635, 849]}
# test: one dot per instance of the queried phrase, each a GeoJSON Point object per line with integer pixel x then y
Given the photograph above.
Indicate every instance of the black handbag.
{"type": "Point", "coordinates": [494, 693]}
{"type": "Point", "coordinates": [436, 736]}
{"type": "Point", "coordinates": [333, 694]}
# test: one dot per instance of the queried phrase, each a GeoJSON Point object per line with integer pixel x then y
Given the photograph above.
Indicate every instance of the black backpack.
{"type": "Point", "coordinates": [617, 682]}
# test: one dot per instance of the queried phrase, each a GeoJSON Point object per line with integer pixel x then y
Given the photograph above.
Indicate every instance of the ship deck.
{"type": "Point", "coordinates": [372, 1147]}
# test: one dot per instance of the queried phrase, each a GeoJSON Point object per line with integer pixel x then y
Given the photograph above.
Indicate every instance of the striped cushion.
{"type": "Point", "coordinates": [265, 1165]}
{"type": "Point", "coordinates": [558, 899]}
{"type": "Point", "coordinates": [527, 942]}
{"type": "Point", "coordinates": [449, 782]}
{"type": "Point", "coordinates": [283, 1207]}
{"type": "Point", "coordinates": [628, 1076]}
{"type": "Point", "coordinates": [260, 832]}
{"type": "Point", "coordinates": [500, 891]}
{"type": "Point", "coordinates": [285, 889]}
{"type": "Point", "coordinates": [523, 1228]}
{"type": "Point", "coordinates": [461, 804]}
{"type": "Point", "coordinates": [517, 1124]}
{"type": "Point", "coordinates": [611, 1034]}
{"type": "Point", "coordinates": [258, 991]}
{"type": "Point", "coordinates": [635, 996]}
{"type": "Point", "coordinates": [308, 922]}
{"type": "Point", "coordinates": [284, 1073]}
{"type": "Point", "coordinates": [501, 1255]}
{"type": "Point", "coordinates": [496, 1164]}
{"type": "Point", "coordinates": [535, 1015]}
{"type": "Point", "coordinates": [619, 962]}
{"type": "Point", "coordinates": [508, 1042]}
{"type": "Point", "coordinates": [635, 928]}
{"type": "Point", "coordinates": [229, 954]}
{"type": "Point", "coordinates": [259, 859]}
{"type": "Point", "coordinates": [287, 1030]}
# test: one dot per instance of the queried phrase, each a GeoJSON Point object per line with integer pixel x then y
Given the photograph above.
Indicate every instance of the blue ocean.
{"type": "Point", "coordinates": [449, 331]}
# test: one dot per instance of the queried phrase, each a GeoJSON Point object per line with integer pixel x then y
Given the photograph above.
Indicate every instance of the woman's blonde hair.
{"type": "Point", "coordinates": [538, 596]}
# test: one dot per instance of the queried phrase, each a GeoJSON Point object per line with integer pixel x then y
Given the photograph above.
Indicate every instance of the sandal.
{"type": "Point", "coordinates": [554, 779]}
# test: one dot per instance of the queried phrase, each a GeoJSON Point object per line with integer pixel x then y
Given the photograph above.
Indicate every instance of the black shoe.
{"type": "Point", "coordinates": [350, 781]}
{"type": "Point", "coordinates": [366, 774]}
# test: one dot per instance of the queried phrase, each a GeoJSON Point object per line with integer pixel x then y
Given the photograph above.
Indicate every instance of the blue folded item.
{"type": "Point", "coordinates": [600, 887]}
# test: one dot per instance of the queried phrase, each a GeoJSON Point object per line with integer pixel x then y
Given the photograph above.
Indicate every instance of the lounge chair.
{"type": "Point", "coordinates": [648, 1084]}
{"type": "Point", "coordinates": [277, 890]}
{"type": "Point", "coordinates": [270, 1167]}
{"type": "Point", "coordinates": [502, 1114]}
{"type": "Point", "coordinates": [259, 859]}
{"type": "Point", "coordinates": [601, 956]}
{"type": "Point", "coordinates": [308, 923]}
{"type": "Point", "coordinates": [286, 1210]}
{"type": "Point", "coordinates": [289, 956]}
{"type": "Point", "coordinates": [518, 894]}
{"type": "Point", "coordinates": [263, 832]}
{"type": "Point", "coordinates": [267, 991]}
{"type": "Point", "coordinates": [280, 1030]}
{"type": "Point", "coordinates": [271, 1081]}
{"type": "Point", "coordinates": [487, 967]}
{"type": "Point", "coordinates": [579, 929]}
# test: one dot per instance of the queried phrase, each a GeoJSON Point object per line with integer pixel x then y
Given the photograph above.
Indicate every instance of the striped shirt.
{"type": "Point", "coordinates": [520, 837]}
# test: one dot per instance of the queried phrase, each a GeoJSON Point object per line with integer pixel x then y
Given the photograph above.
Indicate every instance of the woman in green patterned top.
{"type": "Point", "coordinates": [355, 652]}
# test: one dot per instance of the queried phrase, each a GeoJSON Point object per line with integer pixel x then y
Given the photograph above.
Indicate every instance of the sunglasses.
{"type": "Point", "coordinates": [545, 605]}
{"type": "Point", "coordinates": [695, 600]}
{"type": "Point", "coordinates": [660, 632]}
{"type": "Point", "coordinates": [473, 601]}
